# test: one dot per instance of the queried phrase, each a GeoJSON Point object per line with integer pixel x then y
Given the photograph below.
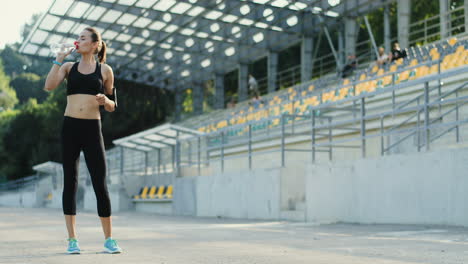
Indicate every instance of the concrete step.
{"type": "Point", "coordinates": [301, 206]}
{"type": "Point", "coordinates": [293, 215]}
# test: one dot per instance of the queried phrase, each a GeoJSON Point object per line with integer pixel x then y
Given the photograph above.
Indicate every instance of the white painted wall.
{"type": "Point", "coordinates": [418, 188]}
{"type": "Point", "coordinates": [243, 194]}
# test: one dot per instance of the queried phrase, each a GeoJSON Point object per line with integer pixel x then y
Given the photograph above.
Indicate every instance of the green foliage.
{"type": "Point", "coordinates": [14, 63]}
{"type": "Point", "coordinates": [7, 94]}
{"type": "Point", "coordinates": [29, 85]}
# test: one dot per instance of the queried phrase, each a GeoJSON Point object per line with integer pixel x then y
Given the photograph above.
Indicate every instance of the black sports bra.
{"type": "Point", "coordinates": [79, 83]}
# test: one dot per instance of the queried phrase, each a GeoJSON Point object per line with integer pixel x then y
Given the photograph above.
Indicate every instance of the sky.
{"type": "Point", "coordinates": [14, 14]}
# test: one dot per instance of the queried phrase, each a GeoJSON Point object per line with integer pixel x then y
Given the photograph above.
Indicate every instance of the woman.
{"type": "Point", "coordinates": [87, 82]}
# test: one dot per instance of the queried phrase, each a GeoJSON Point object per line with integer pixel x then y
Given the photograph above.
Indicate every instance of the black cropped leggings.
{"type": "Point", "coordinates": [84, 134]}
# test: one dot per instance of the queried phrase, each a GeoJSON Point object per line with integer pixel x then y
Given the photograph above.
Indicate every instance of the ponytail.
{"type": "Point", "coordinates": [101, 49]}
{"type": "Point", "coordinates": [102, 53]}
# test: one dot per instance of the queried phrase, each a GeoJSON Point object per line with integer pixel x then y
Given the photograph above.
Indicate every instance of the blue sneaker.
{"type": "Point", "coordinates": [110, 246]}
{"type": "Point", "coordinates": [73, 246]}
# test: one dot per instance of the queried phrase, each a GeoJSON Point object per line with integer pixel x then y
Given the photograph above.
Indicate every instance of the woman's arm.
{"type": "Point", "coordinates": [57, 73]}
{"type": "Point", "coordinates": [109, 105]}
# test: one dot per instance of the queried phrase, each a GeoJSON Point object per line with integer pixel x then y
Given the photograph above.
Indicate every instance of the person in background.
{"type": "Point", "coordinates": [350, 66]}
{"type": "Point", "coordinates": [397, 52]}
{"type": "Point", "coordinates": [383, 57]}
{"type": "Point", "coordinates": [232, 102]}
{"type": "Point", "coordinates": [256, 100]}
{"type": "Point", "coordinates": [253, 85]}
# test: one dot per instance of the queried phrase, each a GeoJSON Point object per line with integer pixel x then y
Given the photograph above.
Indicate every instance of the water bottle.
{"type": "Point", "coordinates": [56, 48]}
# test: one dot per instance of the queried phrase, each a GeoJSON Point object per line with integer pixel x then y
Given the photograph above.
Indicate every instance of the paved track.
{"type": "Point", "coordinates": [38, 236]}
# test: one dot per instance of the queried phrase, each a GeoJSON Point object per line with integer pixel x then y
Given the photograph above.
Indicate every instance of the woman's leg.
{"type": "Point", "coordinates": [70, 162]}
{"type": "Point", "coordinates": [70, 221]}
{"type": "Point", "coordinates": [94, 153]}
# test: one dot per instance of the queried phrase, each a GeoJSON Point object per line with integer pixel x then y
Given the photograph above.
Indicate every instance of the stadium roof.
{"type": "Point", "coordinates": [151, 41]}
{"type": "Point", "coordinates": [156, 138]}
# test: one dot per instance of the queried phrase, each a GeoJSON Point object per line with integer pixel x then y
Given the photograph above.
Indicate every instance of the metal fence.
{"type": "Point", "coordinates": [427, 113]}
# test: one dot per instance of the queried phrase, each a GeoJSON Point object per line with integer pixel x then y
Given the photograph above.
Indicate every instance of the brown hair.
{"type": "Point", "coordinates": [101, 50]}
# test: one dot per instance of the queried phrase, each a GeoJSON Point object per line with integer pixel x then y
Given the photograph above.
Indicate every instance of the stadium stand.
{"type": "Point", "coordinates": [421, 61]}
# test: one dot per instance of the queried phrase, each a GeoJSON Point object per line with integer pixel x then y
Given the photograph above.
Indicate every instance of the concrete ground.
{"type": "Point", "coordinates": [38, 236]}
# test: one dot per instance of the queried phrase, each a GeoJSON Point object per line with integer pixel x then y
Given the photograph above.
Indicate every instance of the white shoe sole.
{"type": "Point", "coordinates": [73, 252]}
{"type": "Point", "coordinates": [112, 252]}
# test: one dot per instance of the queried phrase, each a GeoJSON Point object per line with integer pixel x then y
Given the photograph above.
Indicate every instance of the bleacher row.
{"type": "Point", "coordinates": [421, 61]}
{"type": "Point", "coordinates": [161, 192]}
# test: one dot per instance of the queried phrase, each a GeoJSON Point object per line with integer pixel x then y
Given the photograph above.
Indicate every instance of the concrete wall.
{"type": "Point", "coordinates": [244, 194]}
{"type": "Point", "coordinates": [419, 188]}
{"type": "Point", "coordinates": [21, 198]}
{"type": "Point", "coordinates": [119, 199]}
{"type": "Point", "coordinates": [292, 185]}
{"type": "Point", "coordinates": [184, 201]}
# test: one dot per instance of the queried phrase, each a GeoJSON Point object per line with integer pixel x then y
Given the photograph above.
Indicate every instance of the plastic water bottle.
{"type": "Point", "coordinates": [56, 48]}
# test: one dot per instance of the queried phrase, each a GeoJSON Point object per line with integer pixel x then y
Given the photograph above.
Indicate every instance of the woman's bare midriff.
{"type": "Point", "coordinates": [83, 106]}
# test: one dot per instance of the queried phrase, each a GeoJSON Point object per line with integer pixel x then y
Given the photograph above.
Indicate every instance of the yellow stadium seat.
{"type": "Point", "coordinates": [404, 76]}
{"type": "Point", "coordinates": [345, 81]}
{"type": "Point", "coordinates": [160, 192]}
{"type": "Point", "coordinates": [452, 41]}
{"type": "Point", "coordinates": [142, 193]}
{"type": "Point", "coordinates": [168, 193]}
{"type": "Point", "coordinates": [311, 88]}
{"type": "Point", "coordinates": [375, 68]}
{"type": "Point", "coordinates": [393, 68]}
{"type": "Point", "coordinates": [49, 197]}
{"type": "Point", "coordinates": [387, 80]}
{"type": "Point", "coordinates": [381, 72]}
{"type": "Point", "coordinates": [151, 192]}
{"type": "Point", "coordinates": [414, 62]}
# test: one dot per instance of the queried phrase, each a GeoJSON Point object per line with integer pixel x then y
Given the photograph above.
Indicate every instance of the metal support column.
{"type": "Point", "coordinates": [146, 163]}
{"type": "Point", "coordinates": [121, 160]}
{"type": "Point", "coordinates": [371, 35]}
{"type": "Point", "coordinates": [404, 13]}
{"type": "Point", "coordinates": [363, 127]}
{"type": "Point", "coordinates": [444, 18]}
{"type": "Point", "coordinates": [219, 91]}
{"type": "Point", "coordinates": [313, 136]}
{"type": "Point", "coordinates": [197, 99]}
{"type": "Point", "coordinates": [242, 92]}
{"type": "Point", "coordinates": [177, 103]}
{"type": "Point", "coordinates": [222, 151]}
{"type": "Point", "coordinates": [351, 31]}
{"type": "Point", "coordinates": [199, 155]}
{"type": "Point", "coordinates": [466, 15]}
{"type": "Point", "coordinates": [387, 32]}
{"type": "Point", "coordinates": [307, 48]}
{"type": "Point", "coordinates": [250, 146]}
{"type": "Point", "coordinates": [332, 47]}
{"type": "Point", "coordinates": [283, 140]}
{"type": "Point", "coordinates": [427, 134]}
{"type": "Point", "coordinates": [272, 70]}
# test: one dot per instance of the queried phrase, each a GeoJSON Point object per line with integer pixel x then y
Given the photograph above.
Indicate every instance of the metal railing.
{"type": "Point", "coordinates": [19, 183]}
{"type": "Point", "coordinates": [327, 130]}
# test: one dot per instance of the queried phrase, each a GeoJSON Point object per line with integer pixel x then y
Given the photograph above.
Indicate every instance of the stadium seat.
{"type": "Point", "coordinates": [151, 192]}
{"type": "Point", "coordinates": [48, 197]}
{"type": "Point", "coordinates": [142, 193]}
{"type": "Point", "coordinates": [168, 194]}
{"type": "Point", "coordinates": [160, 193]}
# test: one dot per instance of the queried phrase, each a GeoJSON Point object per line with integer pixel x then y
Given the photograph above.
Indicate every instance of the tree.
{"type": "Point", "coordinates": [7, 94]}
{"type": "Point", "coordinates": [29, 85]}
{"type": "Point", "coordinates": [14, 63]}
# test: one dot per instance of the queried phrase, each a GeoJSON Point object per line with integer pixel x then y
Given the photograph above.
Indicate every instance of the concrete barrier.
{"type": "Point", "coordinates": [418, 188]}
